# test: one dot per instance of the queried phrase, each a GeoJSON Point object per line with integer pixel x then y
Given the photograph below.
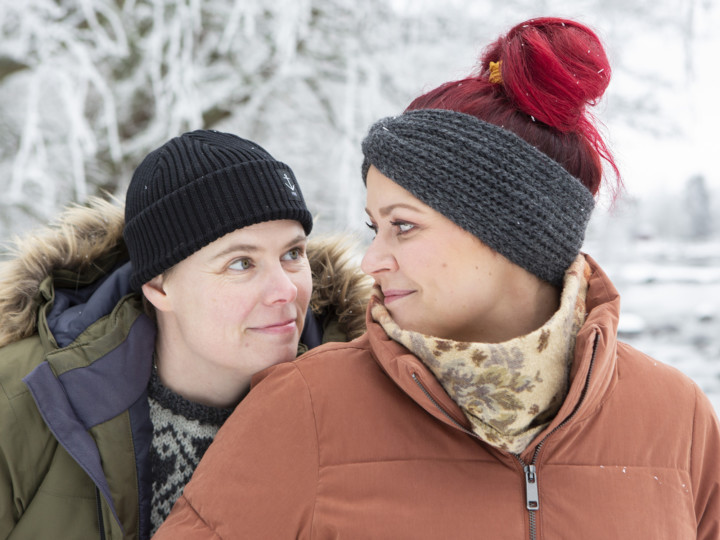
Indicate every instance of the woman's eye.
{"type": "Point", "coordinates": [402, 226]}
{"type": "Point", "coordinates": [372, 227]}
{"type": "Point", "coordinates": [293, 254]}
{"type": "Point", "coordinates": [240, 264]}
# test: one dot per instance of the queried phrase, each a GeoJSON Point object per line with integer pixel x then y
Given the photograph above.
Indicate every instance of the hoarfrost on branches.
{"type": "Point", "coordinates": [87, 88]}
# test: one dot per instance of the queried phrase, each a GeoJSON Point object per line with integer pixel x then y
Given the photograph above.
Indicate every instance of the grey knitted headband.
{"type": "Point", "coordinates": [490, 182]}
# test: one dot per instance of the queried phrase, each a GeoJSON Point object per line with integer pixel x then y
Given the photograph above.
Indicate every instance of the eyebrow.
{"type": "Point", "coordinates": [385, 210]}
{"type": "Point", "coordinates": [253, 248]}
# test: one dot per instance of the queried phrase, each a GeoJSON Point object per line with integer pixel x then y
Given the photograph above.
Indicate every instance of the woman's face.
{"type": "Point", "coordinates": [236, 306]}
{"type": "Point", "coordinates": [437, 279]}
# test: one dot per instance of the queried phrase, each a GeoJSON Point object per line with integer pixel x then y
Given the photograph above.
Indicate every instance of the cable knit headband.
{"type": "Point", "coordinates": [489, 181]}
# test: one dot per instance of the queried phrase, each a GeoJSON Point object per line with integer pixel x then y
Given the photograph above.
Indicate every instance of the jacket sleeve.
{"type": "Point", "coordinates": [705, 468]}
{"type": "Point", "coordinates": [7, 514]}
{"type": "Point", "coordinates": [259, 476]}
{"type": "Point", "coordinates": [23, 455]}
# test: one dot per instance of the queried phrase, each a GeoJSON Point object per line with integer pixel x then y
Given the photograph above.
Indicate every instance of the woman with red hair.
{"type": "Point", "coordinates": [490, 396]}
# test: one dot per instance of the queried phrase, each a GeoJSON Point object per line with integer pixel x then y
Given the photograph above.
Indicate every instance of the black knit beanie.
{"type": "Point", "coordinates": [198, 187]}
{"type": "Point", "coordinates": [495, 185]}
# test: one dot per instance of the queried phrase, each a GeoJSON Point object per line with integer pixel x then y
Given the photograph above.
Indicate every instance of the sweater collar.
{"type": "Point", "coordinates": [181, 407]}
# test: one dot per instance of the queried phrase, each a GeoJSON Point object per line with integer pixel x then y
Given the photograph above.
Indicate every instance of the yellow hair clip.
{"type": "Point", "coordinates": [495, 75]}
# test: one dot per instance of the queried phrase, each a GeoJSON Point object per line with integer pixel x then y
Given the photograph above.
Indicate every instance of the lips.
{"type": "Point", "coordinates": [391, 295]}
{"type": "Point", "coordinates": [279, 327]}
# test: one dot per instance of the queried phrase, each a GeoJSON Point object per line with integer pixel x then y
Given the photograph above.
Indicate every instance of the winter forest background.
{"type": "Point", "coordinates": [88, 87]}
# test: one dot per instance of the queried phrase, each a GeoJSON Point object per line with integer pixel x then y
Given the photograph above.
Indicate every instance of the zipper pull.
{"type": "Point", "coordinates": [532, 497]}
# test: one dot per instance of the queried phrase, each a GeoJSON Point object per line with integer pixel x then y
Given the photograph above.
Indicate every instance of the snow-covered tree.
{"type": "Point", "coordinates": [88, 87]}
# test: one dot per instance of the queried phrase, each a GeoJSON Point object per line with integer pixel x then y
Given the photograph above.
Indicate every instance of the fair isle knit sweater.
{"type": "Point", "coordinates": [182, 432]}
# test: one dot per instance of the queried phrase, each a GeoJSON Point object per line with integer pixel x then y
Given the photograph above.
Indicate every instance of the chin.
{"type": "Point", "coordinates": [423, 329]}
{"type": "Point", "coordinates": [286, 356]}
{"type": "Point", "coordinates": [408, 325]}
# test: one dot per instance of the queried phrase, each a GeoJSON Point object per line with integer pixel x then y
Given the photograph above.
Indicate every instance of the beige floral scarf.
{"type": "Point", "coordinates": [508, 391]}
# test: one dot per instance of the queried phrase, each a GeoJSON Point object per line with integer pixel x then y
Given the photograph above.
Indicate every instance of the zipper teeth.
{"type": "Point", "coordinates": [533, 524]}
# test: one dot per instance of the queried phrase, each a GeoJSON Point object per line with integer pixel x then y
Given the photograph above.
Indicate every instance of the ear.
{"type": "Point", "coordinates": [154, 291]}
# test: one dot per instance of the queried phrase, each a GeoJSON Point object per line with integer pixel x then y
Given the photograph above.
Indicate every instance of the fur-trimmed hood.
{"type": "Point", "coordinates": [84, 235]}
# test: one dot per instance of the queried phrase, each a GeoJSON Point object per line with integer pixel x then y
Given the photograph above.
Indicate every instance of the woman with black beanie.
{"type": "Point", "coordinates": [127, 341]}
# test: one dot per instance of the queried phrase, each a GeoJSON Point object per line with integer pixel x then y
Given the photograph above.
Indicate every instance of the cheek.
{"type": "Point", "coordinates": [304, 286]}
{"type": "Point", "coordinates": [416, 262]}
{"type": "Point", "coordinates": [431, 269]}
{"type": "Point", "coordinates": [230, 305]}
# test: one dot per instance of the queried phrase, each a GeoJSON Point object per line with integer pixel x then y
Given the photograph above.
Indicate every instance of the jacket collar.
{"type": "Point", "coordinates": [593, 372]}
{"type": "Point", "coordinates": [596, 346]}
{"type": "Point", "coordinates": [412, 376]}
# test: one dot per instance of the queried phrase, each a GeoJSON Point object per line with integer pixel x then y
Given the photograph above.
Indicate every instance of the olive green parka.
{"type": "Point", "coordinates": [75, 358]}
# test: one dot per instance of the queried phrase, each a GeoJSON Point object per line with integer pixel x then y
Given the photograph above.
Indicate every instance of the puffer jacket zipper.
{"type": "Point", "coordinates": [532, 496]}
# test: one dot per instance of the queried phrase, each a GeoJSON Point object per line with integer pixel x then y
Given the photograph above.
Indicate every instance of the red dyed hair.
{"type": "Point", "coordinates": [551, 69]}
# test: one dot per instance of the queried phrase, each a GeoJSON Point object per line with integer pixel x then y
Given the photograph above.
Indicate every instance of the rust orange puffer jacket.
{"type": "Point", "coordinates": [359, 440]}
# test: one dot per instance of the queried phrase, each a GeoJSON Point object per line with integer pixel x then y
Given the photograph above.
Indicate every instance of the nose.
{"type": "Point", "coordinates": [280, 288]}
{"type": "Point", "coordinates": [378, 258]}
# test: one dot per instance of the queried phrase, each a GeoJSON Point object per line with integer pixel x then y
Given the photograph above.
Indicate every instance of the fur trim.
{"type": "Point", "coordinates": [82, 234]}
{"type": "Point", "coordinates": [79, 236]}
{"type": "Point", "coordinates": [338, 283]}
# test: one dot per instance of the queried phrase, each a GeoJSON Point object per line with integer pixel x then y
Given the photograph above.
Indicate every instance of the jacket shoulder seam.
{"type": "Point", "coordinates": [209, 527]}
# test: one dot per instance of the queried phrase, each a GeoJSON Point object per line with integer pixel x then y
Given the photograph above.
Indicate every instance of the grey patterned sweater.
{"type": "Point", "coordinates": [182, 432]}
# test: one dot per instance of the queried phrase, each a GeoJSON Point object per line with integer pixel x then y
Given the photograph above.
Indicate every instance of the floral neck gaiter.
{"type": "Point", "coordinates": [508, 391]}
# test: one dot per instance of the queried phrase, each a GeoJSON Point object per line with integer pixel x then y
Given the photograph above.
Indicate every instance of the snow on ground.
{"type": "Point", "coordinates": [670, 304]}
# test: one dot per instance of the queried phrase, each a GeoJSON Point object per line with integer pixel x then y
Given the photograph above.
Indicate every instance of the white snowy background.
{"type": "Point", "coordinates": [88, 87]}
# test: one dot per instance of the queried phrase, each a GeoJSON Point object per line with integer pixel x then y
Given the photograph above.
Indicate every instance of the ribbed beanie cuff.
{"type": "Point", "coordinates": [514, 198]}
{"type": "Point", "coordinates": [195, 189]}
